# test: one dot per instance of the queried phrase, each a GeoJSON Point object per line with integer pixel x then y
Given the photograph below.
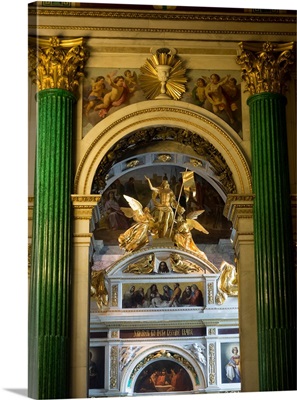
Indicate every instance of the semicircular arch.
{"type": "Point", "coordinates": [159, 113]}
{"type": "Point", "coordinates": [161, 352]}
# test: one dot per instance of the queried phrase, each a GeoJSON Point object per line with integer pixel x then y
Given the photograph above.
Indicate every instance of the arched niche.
{"type": "Point", "coordinates": [147, 114]}
{"type": "Point", "coordinates": [157, 357]}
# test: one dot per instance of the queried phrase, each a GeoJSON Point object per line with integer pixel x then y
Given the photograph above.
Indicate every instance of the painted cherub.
{"type": "Point", "coordinates": [97, 94]}
{"type": "Point", "coordinates": [198, 92]}
{"type": "Point", "coordinates": [115, 97]}
{"type": "Point", "coordinates": [215, 95]}
{"type": "Point", "coordinates": [130, 80]}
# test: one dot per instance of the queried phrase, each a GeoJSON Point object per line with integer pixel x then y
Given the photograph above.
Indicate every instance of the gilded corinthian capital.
{"type": "Point", "coordinates": [266, 66]}
{"type": "Point", "coordinates": [56, 63]}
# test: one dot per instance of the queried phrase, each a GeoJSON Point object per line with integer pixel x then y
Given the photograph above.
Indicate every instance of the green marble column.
{"type": "Point", "coordinates": [50, 284]}
{"type": "Point", "coordinates": [274, 261]}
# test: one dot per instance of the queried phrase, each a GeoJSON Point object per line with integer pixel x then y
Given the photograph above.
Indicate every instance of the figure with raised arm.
{"type": "Point", "coordinates": [164, 201]}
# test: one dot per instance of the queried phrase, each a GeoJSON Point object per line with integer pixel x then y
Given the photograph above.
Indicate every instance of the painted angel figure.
{"type": "Point", "coordinates": [183, 237]}
{"type": "Point", "coordinates": [137, 235]}
{"type": "Point", "coordinates": [216, 96]}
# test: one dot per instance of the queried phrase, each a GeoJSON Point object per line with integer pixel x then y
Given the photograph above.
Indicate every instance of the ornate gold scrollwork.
{"type": "Point", "coordinates": [56, 63]}
{"type": "Point", "coordinates": [265, 67]}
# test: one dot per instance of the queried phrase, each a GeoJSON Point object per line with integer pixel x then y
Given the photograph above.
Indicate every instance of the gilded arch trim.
{"type": "Point", "coordinates": [155, 113]}
{"type": "Point", "coordinates": [175, 353]}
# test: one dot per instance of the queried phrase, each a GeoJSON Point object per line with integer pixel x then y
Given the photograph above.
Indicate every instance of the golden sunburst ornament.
{"type": "Point", "coordinates": [163, 76]}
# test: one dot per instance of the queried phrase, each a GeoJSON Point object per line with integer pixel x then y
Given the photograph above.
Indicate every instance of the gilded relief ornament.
{"type": "Point", "coordinates": [196, 163]}
{"type": "Point", "coordinates": [98, 289]}
{"type": "Point", "coordinates": [164, 157]}
{"type": "Point", "coordinates": [132, 163]}
{"type": "Point", "coordinates": [145, 265]}
{"type": "Point", "coordinates": [227, 283]}
{"type": "Point", "coordinates": [57, 63]}
{"type": "Point", "coordinates": [183, 266]}
{"type": "Point", "coordinates": [265, 66]}
{"type": "Point", "coordinates": [163, 76]}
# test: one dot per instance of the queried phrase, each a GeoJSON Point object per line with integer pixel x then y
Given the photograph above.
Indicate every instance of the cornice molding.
{"type": "Point", "coordinates": [158, 30]}
{"type": "Point", "coordinates": [170, 16]}
{"type": "Point", "coordinates": [239, 206]}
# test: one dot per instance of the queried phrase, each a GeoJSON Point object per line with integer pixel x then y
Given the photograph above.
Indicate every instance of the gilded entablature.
{"type": "Point", "coordinates": [251, 17]}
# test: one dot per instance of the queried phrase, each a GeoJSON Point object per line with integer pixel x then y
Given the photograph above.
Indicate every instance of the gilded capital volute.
{"type": "Point", "coordinates": [266, 66]}
{"type": "Point", "coordinates": [57, 64]}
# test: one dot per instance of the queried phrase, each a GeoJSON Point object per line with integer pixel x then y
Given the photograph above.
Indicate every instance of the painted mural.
{"type": "Point", "coordinates": [96, 367]}
{"type": "Point", "coordinates": [230, 363]}
{"type": "Point", "coordinates": [158, 295]}
{"type": "Point", "coordinates": [163, 376]}
{"type": "Point", "coordinates": [106, 91]}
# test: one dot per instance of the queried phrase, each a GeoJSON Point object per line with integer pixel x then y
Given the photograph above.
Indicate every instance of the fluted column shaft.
{"type": "Point", "coordinates": [49, 305]}
{"type": "Point", "coordinates": [265, 69]}
{"type": "Point", "coordinates": [275, 278]}
{"type": "Point", "coordinates": [56, 67]}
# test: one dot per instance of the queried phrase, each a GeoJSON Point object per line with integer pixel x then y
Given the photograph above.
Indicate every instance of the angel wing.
{"type": "Point", "coordinates": [194, 214]}
{"type": "Point", "coordinates": [136, 207]}
{"type": "Point", "coordinates": [192, 223]}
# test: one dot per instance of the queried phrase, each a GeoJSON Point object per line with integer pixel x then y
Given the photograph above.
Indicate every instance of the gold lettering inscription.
{"type": "Point", "coordinates": [163, 333]}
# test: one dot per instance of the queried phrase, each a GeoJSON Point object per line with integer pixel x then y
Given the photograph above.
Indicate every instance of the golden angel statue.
{"type": "Point", "coordinates": [137, 235]}
{"type": "Point", "coordinates": [183, 237]}
{"type": "Point", "coordinates": [98, 289]}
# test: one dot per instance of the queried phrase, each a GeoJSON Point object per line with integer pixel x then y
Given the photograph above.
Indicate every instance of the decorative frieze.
{"type": "Point", "coordinates": [83, 205]}
{"type": "Point", "coordinates": [114, 360]}
{"type": "Point", "coordinates": [114, 295]}
{"type": "Point", "coordinates": [212, 364]}
{"type": "Point", "coordinates": [210, 292]}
